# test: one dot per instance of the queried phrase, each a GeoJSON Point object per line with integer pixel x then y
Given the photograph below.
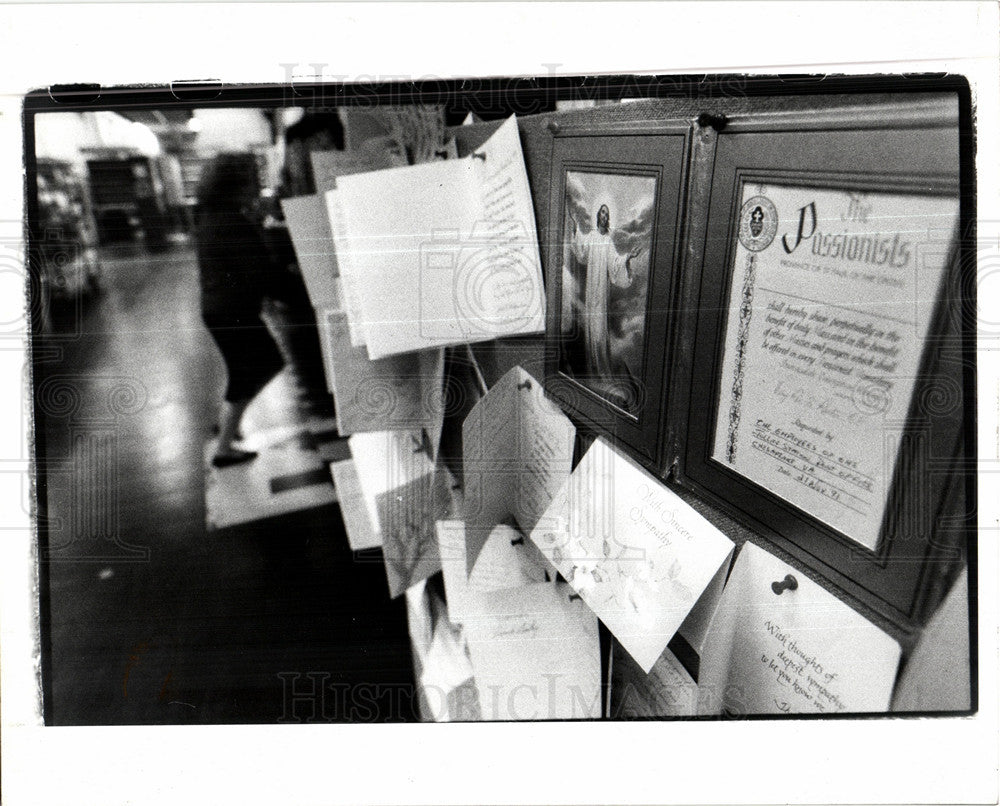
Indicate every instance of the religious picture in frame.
{"type": "Point", "coordinates": [607, 243]}
{"type": "Point", "coordinates": [614, 235]}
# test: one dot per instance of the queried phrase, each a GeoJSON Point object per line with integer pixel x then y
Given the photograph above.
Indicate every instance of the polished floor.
{"type": "Point", "coordinates": [147, 617]}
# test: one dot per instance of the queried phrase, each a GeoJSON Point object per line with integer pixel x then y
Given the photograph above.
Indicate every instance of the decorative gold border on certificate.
{"type": "Point", "coordinates": [743, 332]}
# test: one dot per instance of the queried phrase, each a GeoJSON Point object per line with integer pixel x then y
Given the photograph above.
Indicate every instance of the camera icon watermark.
{"type": "Point", "coordinates": [480, 286]}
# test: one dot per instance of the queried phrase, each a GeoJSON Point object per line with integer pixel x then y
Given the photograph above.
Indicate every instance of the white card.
{"type": "Point", "coordinates": [536, 654]}
{"type": "Point", "coordinates": [506, 561]}
{"type": "Point", "coordinates": [361, 532]}
{"type": "Point", "coordinates": [441, 253]}
{"type": "Point", "coordinates": [309, 227]}
{"type": "Point", "coordinates": [387, 460]}
{"type": "Point", "coordinates": [801, 651]}
{"type": "Point", "coordinates": [517, 451]}
{"type": "Point", "coordinates": [636, 553]}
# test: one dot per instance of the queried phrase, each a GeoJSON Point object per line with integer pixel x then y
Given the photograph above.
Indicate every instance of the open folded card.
{"type": "Point", "coordinates": [517, 452]}
{"type": "Point", "coordinates": [635, 552]}
{"type": "Point", "coordinates": [397, 392]}
{"type": "Point", "coordinates": [780, 644]}
{"type": "Point", "coordinates": [440, 253]}
{"type": "Point", "coordinates": [506, 561]}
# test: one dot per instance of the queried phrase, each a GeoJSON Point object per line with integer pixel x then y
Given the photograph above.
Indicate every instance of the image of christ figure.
{"type": "Point", "coordinates": [607, 245]}
{"type": "Point", "coordinates": [605, 266]}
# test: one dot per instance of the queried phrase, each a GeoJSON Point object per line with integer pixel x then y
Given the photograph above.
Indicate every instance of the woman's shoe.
{"type": "Point", "coordinates": [234, 458]}
{"type": "Point", "coordinates": [239, 433]}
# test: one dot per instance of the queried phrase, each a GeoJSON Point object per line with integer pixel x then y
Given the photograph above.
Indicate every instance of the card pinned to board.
{"type": "Point", "coordinates": [441, 253]}
{"type": "Point", "coordinates": [517, 452]}
{"type": "Point", "coordinates": [781, 644]}
{"type": "Point", "coordinates": [535, 653]}
{"type": "Point", "coordinates": [637, 554]}
{"type": "Point", "coordinates": [506, 561]}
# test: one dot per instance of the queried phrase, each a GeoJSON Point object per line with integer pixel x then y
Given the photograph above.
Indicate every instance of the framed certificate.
{"type": "Point", "coordinates": [615, 233]}
{"type": "Point", "coordinates": [827, 401]}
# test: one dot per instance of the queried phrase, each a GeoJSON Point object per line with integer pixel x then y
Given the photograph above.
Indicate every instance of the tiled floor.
{"type": "Point", "coordinates": [150, 618]}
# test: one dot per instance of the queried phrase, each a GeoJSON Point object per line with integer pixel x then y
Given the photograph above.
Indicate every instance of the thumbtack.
{"type": "Point", "coordinates": [573, 596]}
{"type": "Point", "coordinates": [717, 122]}
{"type": "Point", "coordinates": [789, 583]}
{"type": "Point", "coordinates": [441, 153]}
{"type": "Point", "coordinates": [553, 126]}
{"type": "Point", "coordinates": [518, 542]}
{"type": "Point", "coordinates": [478, 155]}
{"type": "Point", "coordinates": [525, 385]}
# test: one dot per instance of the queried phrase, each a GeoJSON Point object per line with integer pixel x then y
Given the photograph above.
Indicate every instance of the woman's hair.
{"type": "Point", "coordinates": [224, 182]}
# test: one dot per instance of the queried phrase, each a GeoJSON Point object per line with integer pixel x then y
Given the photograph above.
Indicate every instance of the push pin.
{"type": "Point", "coordinates": [525, 385]}
{"type": "Point", "coordinates": [553, 126]}
{"type": "Point", "coordinates": [518, 542]}
{"type": "Point", "coordinates": [478, 155]}
{"type": "Point", "coordinates": [441, 154]}
{"type": "Point", "coordinates": [573, 596]}
{"type": "Point", "coordinates": [789, 583]}
{"type": "Point", "coordinates": [717, 122]}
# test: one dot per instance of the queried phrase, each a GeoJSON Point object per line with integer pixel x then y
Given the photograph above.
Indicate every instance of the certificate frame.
{"type": "Point", "coordinates": [583, 160]}
{"type": "Point", "coordinates": [919, 533]}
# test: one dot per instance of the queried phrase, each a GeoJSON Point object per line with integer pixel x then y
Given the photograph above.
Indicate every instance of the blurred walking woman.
{"type": "Point", "coordinates": [235, 271]}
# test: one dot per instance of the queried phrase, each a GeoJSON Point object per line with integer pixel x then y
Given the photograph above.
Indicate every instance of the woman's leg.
{"type": "Point", "coordinates": [225, 451]}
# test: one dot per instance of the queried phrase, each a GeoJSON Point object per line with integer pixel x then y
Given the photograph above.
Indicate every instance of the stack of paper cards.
{"type": "Point", "coordinates": [447, 677]}
{"type": "Point", "coordinates": [517, 452]}
{"type": "Point", "coordinates": [395, 393]}
{"type": "Point", "coordinates": [440, 253]}
{"type": "Point", "coordinates": [780, 644]}
{"type": "Point", "coordinates": [309, 224]}
{"type": "Point", "coordinates": [633, 550]}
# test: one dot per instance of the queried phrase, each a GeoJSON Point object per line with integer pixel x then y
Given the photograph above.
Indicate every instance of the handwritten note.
{"type": "Point", "coordinates": [507, 560]}
{"type": "Point", "coordinates": [440, 253]}
{"type": "Point", "coordinates": [517, 451]}
{"type": "Point", "coordinates": [832, 298]}
{"type": "Point", "coordinates": [637, 554]}
{"type": "Point", "coordinates": [535, 653]}
{"type": "Point", "coordinates": [803, 651]}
